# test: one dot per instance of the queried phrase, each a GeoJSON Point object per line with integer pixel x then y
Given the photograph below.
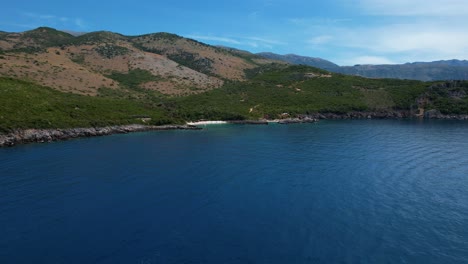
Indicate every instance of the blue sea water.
{"type": "Point", "coordinates": [334, 192]}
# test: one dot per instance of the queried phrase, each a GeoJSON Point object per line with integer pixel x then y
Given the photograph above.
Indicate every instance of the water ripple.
{"type": "Point", "coordinates": [333, 192]}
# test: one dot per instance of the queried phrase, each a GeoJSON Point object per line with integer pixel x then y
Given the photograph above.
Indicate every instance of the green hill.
{"type": "Point", "coordinates": [51, 79]}
{"type": "Point", "coordinates": [27, 105]}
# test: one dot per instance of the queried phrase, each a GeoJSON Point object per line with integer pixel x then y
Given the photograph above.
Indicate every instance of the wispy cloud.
{"type": "Point", "coordinates": [265, 40]}
{"type": "Point", "coordinates": [368, 60]}
{"type": "Point", "coordinates": [316, 21]}
{"type": "Point", "coordinates": [80, 23]}
{"type": "Point", "coordinates": [38, 16]}
{"type": "Point", "coordinates": [412, 37]}
{"type": "Point", "coordinates": [242, 42]}
{"type": "Point", "coordinates": [214, 38]}
{"type": "Point", "coordinates": [20, 25]}
{"type": "Point", "coordinates": [52, 20]}
{"type": "Point", "coordinates": [415, 7]}
{"type": "Point", "coordinates": [320, 40]}
{"type": "Point", "coordinates": [422, 41]}
{"type": "Point", "coordinates": [396, 31]}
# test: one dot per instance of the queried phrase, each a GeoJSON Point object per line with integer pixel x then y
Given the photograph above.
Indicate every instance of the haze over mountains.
{"type": "Point", "coordinates": [423, 71]}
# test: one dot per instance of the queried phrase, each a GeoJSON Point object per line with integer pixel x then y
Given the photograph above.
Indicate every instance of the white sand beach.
{"type": "Point", "coordinates": [198, 123]}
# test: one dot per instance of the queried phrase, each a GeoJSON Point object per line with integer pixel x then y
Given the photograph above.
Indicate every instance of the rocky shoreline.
{"type": "Point", "coordinates": [248, 122]}
{"type": "Point", "coordinates": [49, 135]}
{"type": "Point", "coordinates": [430, 114]}
{"type": "Point", "coordinates": [363, 115]}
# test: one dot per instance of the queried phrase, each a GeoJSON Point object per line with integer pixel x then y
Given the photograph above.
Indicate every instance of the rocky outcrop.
{"type": "Point", "coordinates": [436, 114]}
{"type": "Point", "coordinates": [429, 114]}
{"type": "Point", "coordinates": [49, 135]}
{"type": "Point", "coordinates": [432, 114]}
{"type": "Point", "coordinates": [361, 115]}
{"type": "Point", "coordinates": [300, 120]}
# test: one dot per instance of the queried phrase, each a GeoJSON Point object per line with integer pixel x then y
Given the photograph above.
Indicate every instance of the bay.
{"type": "Point", "coordinates": [351, 191]}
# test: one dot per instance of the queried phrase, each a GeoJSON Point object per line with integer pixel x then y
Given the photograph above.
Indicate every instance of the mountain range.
{"type": "Point", "coordinates": [423, 71]}
{"type": "Point", "coordinates": [84, 63]}
{"type": "Point", "coordinates": [53, 79]}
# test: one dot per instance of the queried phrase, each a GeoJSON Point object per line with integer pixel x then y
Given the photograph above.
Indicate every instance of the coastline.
{"type": "Point", "coordinates": [25, 136]}
{"type": "Point", "coordinates": [201, 123]}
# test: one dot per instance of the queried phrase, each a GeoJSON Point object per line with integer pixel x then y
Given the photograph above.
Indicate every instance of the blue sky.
{"type": "Point", "coordinates": [346, 32]}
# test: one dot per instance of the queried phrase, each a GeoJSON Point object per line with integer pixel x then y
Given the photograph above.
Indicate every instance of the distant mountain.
{"type": "Point", "coordinates": [53, 79]}
{"type": "Point", "coordinates": [423, 71]}
{"type": "Point", "coordinates": [444, 62]}
{"type": "Point", "coordinates": [303, 60]}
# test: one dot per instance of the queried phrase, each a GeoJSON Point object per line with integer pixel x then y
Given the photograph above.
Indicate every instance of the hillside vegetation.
{"type": "Point", "coordinates": [296, 90]}
{"type": "Point", "coordinates": [27, 105]}
{"type": "Point", "coordinates": [84, 64]}
{"type": "Point", "coordinates": [52, 79]}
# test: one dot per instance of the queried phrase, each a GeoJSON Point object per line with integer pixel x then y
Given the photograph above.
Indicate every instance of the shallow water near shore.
{"type": "Point", "coordinates": [349, 191]}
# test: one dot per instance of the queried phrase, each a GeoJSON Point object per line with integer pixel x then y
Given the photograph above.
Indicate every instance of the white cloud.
{"type": "Point", "coordinates": [369, 60]}
{"type": "Point", "coordinates": [26, 26]}
{"type": "Point", "coordinates": [433, 30]}
{"type": "Point", "coordinates": [265, 40]}
{"type": "Point", "coordinates": [415, 7]}
{"type": "Point", "coordinates": [420, 40]}
{"type": "Point", "coordinates": [320, 40]}
{"type": "Point", "coordinates": [80, 23]}
{"type": "Point", "coordinates": [403, 31]}
{"type": "Point", "coordinates": [214, 38]}
{"type": "Point", "coordinates": [38, 16]}
{"type": "Point", "coordinates": [54, 21]}
{"type": "Point", "coordinates": [252, 42]}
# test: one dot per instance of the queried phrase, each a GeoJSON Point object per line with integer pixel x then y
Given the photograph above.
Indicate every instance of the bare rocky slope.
{"type": "Point", "coordinates": [166, 63]}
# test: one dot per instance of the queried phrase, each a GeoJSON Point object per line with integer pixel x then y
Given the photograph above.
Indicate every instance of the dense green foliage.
{"type": "Point", "coordinates": [26, 105]}
{"type": "Point", "coordinates": [270, 91]}
{"type": "Point", "coordinates": [133, 78]}
{"type": "Point", "coordinates": [277, 89]}
{"type": "Point", "coordinates": [449, 98]}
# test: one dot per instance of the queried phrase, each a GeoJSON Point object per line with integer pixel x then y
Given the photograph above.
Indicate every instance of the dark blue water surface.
{"type": "Point", "coordinates": [333, 192]}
